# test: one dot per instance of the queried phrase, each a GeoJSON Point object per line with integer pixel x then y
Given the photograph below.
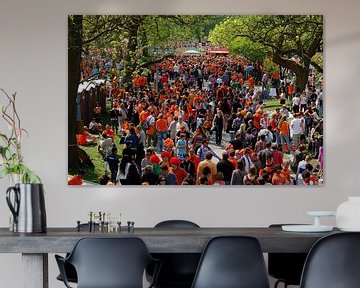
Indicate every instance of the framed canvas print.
{"type": "Point", "coordinates": [195, 100]}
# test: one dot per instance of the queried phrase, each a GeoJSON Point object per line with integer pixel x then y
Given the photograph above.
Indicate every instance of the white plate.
{"type": "Point", "coordinates": [350, 229]}
{"type": "Point", "coordinates": [306, 228]}
{"type": "Point", "coordinates": [321, 213]}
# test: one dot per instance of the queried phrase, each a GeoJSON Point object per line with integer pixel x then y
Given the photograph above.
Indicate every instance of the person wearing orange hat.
{"type": "Point", "coordinates": [165, 156]}
{"type": "Point", "coordinates": [155, 162]}
{"type": "Point", "coordinates": [179, 172]}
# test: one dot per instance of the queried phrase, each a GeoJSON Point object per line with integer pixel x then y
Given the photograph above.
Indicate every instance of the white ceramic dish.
{"type": "Point", "coordinates": [321, 213]}
{"type": "Point", "coordinates": [306, 228]}
{"type": "Point", "coordinates": [350, 229]}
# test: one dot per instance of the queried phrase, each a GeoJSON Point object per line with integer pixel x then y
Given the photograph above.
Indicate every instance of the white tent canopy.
{"type": "Point", "coordinates": [88, 85]}
{"type": "Point", "coordinates": [192, 52]}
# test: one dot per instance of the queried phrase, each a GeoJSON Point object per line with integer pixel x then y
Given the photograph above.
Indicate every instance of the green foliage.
{"type": "Point", "coordinates": [252, 51]}
{"type": "Point", "coordinates": [270, 66]}
{"type": "Point", "coordinates": [286, 34]}
{"type": "Point", "coordinates": [12, 161]}
{"type": "Point", "coordinates": [280, 36]}
{"type": "Point", "coordinates": [318, 59]}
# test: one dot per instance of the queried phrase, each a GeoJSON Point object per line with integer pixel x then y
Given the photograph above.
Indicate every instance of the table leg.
{"type": "Point", "coordinates": [35, 270]}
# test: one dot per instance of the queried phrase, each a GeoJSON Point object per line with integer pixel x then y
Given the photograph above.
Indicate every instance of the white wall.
{"type": "Point", "coordinates": [33, 62]}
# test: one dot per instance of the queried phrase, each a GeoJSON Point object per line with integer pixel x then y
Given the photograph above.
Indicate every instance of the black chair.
{"type": "Point", "coordinates": [232, 262]}
{"type": "Point", "coordinates": [333, 262]}
{"type": "Point", "coordinates": [286, 267]}
{"type": "Point", "coordinates": [178, 269]}
{"type": "Point", "coordinates": [108, 263]}
{"type": "Point", "coordinates": [69, 269]}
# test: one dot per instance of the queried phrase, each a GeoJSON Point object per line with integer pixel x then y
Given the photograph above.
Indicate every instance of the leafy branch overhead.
{"type": "Point", "coordinates": [282, 36]}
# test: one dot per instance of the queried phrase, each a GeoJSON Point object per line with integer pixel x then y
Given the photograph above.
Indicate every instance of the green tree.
{"type": "Point", "coordinates": [133, 35]}
{"type": "Point", "coordinates": [282, 35]}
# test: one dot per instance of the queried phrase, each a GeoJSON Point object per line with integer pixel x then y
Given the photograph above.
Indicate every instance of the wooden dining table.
{"type": "Point", "coordinates": [35, 247]}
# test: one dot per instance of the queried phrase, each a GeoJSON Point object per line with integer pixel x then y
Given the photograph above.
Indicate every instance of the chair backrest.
{"type": "Point", "coordinates": [176, 224]}
{"type": "Point", "coordinates": [232, 262]}
{"type": "Point", "coordinates": [286, 267]}
{"type": "Point", "coordinates": [333, 262]}
{"type": "Point", "coordinates": [110, 262]}
{"type": "Point", "coordinates": [178, 269]}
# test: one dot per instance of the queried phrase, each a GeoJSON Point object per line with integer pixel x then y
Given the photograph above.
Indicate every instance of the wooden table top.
{"type": "Point", "coordinates": [158, 240]}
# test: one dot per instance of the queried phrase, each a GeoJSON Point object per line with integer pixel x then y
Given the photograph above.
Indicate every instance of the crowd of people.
{"type": "Point", "coordinates": [175, 117]}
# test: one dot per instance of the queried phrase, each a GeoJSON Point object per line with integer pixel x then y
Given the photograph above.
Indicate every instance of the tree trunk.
{"type": "Point", "coordinates": [301, 80]}
{"type": "Point", "coordinates": [130, 61]}
{"type": "Point", "coordinates": [300, 70]}
{"type": "Point", "coordinates": [74, 72]}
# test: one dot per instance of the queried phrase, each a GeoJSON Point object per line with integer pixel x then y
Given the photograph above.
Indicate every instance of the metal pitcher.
{"type": "Point", "coordinates": [27, 207]}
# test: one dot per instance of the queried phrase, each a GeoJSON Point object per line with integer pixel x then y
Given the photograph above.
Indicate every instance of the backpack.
{"type": "Point", "coordinates": [148, 121]}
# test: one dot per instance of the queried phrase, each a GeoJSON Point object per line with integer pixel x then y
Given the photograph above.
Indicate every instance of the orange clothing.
{"type": "Point", "coordinates": [278, 179]}
{"type": "Point", "coordinates": [76, 180]}
{"type": "Point", "coordinates": [210, 180]}
{"type": "Point", "coordinates": [284, 128]}
{"type": "Point", "coordinates": [251, 82]}
{"type": "Point", "coordinates": [273, 124]}
{"type": "Point", "coordinates": [161, 125]}
{"type": "Point", "coordinates": [142, 81]}
{"type": "Point", "coordinates": [256, 119]}
{"type": "Point", "coordinates": [143, 115]}
{"type": "Point", "coordinates": [234, 162]}
{"type": "Point", "coordinates": [180, 174]}
{"type": "Point", "coordinates": [291, 89]}
{"type": "Point", "coordinates": [140, 108]}
{"type": "Point", "coordinates": [151, 130]}
{"type": "Point", "coordinates": [136, 81]}
{"type": "Point", "coordinates": [286, 174]}
{"type": "Point", "coordinates": [110, 133]}
{"type": "Point", "coordinates": [196, 160]}
{"type": "Point", "coordinates": [207, 124]}
{"type": "Point", "coordinates": [168, 142]}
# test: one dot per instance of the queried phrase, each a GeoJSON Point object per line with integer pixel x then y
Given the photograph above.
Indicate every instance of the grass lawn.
{"type": "Point", "coordinates": [93, 174]}
{"type": "Point", "coordinates": [272, 104]}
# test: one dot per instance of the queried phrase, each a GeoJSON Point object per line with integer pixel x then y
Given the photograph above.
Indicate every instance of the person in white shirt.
{"type": "Point", "coordinates": [247, 160]}
{"type": "Point", "coordinates": [181, 123]}
{"type": "Point", "coordinates": [296, 129]}
{"type": "Point", "coordinates": [303, 101]}
{"type": "Point", "coordinates": [296, 103]}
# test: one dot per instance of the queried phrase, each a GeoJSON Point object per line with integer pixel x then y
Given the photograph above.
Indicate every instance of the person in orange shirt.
{"type": "Point", "coordinates": [194, 158]}
{"type": "Point", "coordinates": [135, 82]}
{"type": "Point", "coordinates": [165, 157]}
{"type": "Point", "coordinates": [77, 179]}
{"type": "Point", "coordinates": [179, 172]}
{"type": "Point", "coordinates": [109, 132]}
{"type": "Point", "coordinates": [232, 158]}
{"type": "Point", "coordinates": [283, 127]}
{"type": "Point", "coordinates": [257, 118]}
{"type": "Point", "coordinates": [278, 178]}
{"type": "Point", "coordinates": [161, 128]}
{"type": "Point", "coordinates": [251, 82]}
{"type": "Point", "coordinates": [143, 116]}
{"type": "Point", "coordinates": [205, 174]}
{"type": "Point", "coordinates": [142, 81]}
{"type": "Point", "coordinates": [286, 172]}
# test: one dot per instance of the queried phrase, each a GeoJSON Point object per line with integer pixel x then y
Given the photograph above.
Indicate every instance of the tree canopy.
{"type": "Point", "coordinates": [278, 36]}
{"type": "Point", "coordinates": [129, 37]}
